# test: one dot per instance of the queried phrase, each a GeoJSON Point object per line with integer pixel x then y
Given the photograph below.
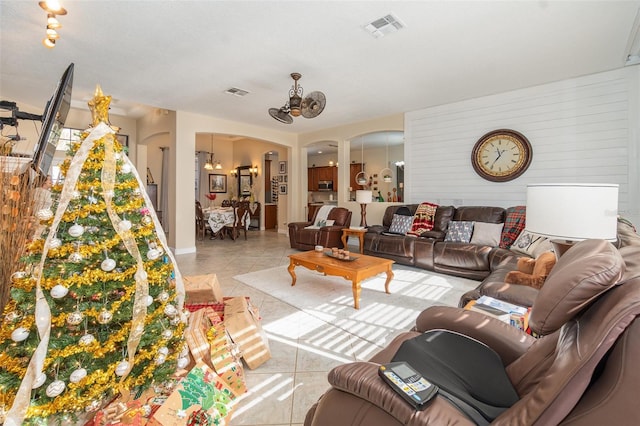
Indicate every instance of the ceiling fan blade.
{"type": "Point", "coordinates": [313, 104]}
{"type": "Point", "coordinates": [280, 115]}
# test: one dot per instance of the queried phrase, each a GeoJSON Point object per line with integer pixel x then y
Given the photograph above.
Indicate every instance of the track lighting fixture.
{"type": "Point", "coordinates": [53, 8]}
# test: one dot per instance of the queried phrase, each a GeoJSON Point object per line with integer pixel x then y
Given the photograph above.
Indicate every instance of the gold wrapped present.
{"type": "Point", "coordinates": [202, 289]}
{"type": "Point", "coordinates": [242, 321]}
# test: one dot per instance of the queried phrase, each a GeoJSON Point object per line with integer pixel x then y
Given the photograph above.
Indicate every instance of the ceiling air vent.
{"type": "Point", "coordinates": [236, 92]}
{"type": "Point", "coordinates": [386, 25]}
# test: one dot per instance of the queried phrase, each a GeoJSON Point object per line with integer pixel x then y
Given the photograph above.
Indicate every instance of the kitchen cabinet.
{"type": "Point", "coordinates": [354, 169]}
{"type": "Point", "coordinates": [312, 181]}
{"type": "Point", "coordinates": [316, 174]}
{"type": "Point", "coordinates": [325, 173]}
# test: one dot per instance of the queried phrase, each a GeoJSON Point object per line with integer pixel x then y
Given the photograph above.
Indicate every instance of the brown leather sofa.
{"type": "Point", "coordinates": [582, 371]}
{"type": "Point", "coordinates": [494, 285]}
{"type": "Point", "coordinates": [432, 253]}
{"type": "Point", "coordinates": [326, 236]}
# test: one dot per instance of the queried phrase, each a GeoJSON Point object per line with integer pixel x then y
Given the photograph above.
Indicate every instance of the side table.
{"type": "Point", "coordinates": [350, 232]}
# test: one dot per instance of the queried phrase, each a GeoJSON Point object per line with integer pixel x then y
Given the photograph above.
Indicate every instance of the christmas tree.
{"type": "Point", "coordinates": [98, 308]}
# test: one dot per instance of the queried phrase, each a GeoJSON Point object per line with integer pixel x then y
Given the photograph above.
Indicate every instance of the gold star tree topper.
{"type": "Point", "coordinates": [99, 107]}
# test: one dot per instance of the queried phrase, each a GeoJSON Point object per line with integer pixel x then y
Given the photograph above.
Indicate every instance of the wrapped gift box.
{"type": "Point", "coordinates": [233, 376]}
{"type": "Point", "coordinates": [223, 350]}
{"type": "Point", "coordinates": [242, 321]}
{"type": "Point", "coordinates": [209, 342]}
{"type": "Point", "coordinates": [201, 389]}
{"type": "Point", "coordinates": [202, 289]}
{"type": "Point", "coordinates": [119, 413]}
{"type": "Point", "coordinates": [200, 322]}
{"type": "Point", "coordinates": [218, 307]}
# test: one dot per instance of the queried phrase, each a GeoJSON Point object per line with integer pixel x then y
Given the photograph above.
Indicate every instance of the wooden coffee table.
{"type": "Point", "coordinates": [354, 271]}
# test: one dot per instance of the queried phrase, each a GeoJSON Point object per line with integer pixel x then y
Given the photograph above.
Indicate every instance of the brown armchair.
{"type": "Point", "coordinates": [582, 371]}
{"type": "Point", "coordinates": [326, 236]}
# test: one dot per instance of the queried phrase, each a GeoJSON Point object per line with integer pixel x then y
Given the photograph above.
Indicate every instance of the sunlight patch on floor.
{"type": "Point", "coordinates": [303, 324]}
{"type": "Point", "coordinates": [312, 349]}
{"type": "Point", "coordinates": [261, 391]}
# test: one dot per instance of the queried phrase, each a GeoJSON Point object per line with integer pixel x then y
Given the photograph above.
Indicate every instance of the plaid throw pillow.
{"type": "Point", "coordinates": [423, 219]}
{"type": "Point", "coordinates": [513, 225]}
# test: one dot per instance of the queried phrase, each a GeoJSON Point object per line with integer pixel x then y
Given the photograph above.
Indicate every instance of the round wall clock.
{"type": "Point", "coordinates": [501, 155]}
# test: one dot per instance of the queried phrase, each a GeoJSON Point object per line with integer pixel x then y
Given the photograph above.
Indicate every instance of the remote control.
{"type": "Point", "coordinates": [410, 384]}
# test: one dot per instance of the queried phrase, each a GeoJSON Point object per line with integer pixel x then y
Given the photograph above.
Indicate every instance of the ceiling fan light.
{"type": "Point", "coordinates": [49, 43]}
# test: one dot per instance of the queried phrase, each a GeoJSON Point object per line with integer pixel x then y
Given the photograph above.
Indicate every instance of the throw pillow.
{"type": "Point", "coordinates": [404, 211]}
{"type": "Point", "coordinates": [423, 219]}
{"type": "Point", "coordinates": [400, 224]}
{"type": "Point", "coordinates": [487, 234]}
{"type": "Point", "coordinates": [459, 231]}
{"type": "Point", "coordinates": [513, 225]}
{"type": "Point", "coordinates": [531, 244]}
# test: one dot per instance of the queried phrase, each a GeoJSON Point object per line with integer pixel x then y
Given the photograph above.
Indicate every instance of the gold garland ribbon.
{"type": "Point", "coordinates": [108, 177]}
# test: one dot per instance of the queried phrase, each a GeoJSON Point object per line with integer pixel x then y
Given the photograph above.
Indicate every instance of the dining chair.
{"type": "Point", "coordinates": [239, 222]}
{"type": "Point", "coordinates": [202, 227]}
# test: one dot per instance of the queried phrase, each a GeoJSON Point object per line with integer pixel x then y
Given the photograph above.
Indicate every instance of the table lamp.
{"type": "Point", "coordinates": [363, 197]}
{"type": "Point", "coordinates": [571, 212]}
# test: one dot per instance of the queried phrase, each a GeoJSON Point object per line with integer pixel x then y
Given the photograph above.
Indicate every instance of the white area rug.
{"type": "Point", "coordinates": [381, 316]}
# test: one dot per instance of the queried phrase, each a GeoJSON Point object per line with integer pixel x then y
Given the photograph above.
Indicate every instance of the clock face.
{"type": "Point", "coordinates": [501, 155]}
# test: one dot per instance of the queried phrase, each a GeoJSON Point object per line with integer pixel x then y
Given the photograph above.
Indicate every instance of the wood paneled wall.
{"type": "Point", "coordinates": [582, 130]}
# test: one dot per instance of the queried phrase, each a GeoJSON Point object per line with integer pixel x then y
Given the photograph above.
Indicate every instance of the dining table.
{"type": "Point", "coordinates": [219, 217]}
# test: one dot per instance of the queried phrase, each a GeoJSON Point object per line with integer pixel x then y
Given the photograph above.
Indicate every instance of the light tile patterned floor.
{"type": "Point", "coordinates": [303, 348]}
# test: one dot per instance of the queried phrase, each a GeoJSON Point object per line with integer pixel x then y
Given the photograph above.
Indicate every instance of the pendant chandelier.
{"type": "Point", "coordinates": [211, 162]}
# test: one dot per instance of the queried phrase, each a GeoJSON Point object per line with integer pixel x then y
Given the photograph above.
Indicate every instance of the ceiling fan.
{"type": "Point", "coordinates": [309, 107]}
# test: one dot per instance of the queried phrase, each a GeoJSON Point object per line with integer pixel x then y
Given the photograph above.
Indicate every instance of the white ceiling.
{"type": "Point", "coordinates": [183, 55]}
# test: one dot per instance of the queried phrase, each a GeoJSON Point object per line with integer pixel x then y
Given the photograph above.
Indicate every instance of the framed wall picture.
{"type": "Point", "coordinates": [217, 183]}
{"type": "Point", "coordinates": [123, 139]}
{"type": "Point", "coordinates": [283, 189]}
{"type": "Point", "coordinates": [280, 178]}
{"type": "Point", "coordinates": [283, 167]}
{"type": "Point", "coordinates": [285, 179]}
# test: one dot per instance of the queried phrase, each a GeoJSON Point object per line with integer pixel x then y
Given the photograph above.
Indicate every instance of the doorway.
{"type": "Point", "coordinates": [270, 191]}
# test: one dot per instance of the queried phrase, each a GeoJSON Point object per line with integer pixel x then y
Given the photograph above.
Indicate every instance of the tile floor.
{"type": "Point", "coordinates": [303, 349]}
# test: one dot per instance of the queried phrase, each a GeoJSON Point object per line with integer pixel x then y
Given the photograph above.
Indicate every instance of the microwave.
{"type": "Point", "coordinates": [325, 185]}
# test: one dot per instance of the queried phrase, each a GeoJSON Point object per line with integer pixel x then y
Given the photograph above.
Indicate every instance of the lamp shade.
{"type": "Point", "coordinates": [573, 211]}
{"type": "Point", "coordinates": [364, 196]}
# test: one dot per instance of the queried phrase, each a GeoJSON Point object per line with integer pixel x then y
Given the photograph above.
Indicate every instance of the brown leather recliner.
{"type": "Point", "coordinates": [582, 371]}
{"type": "Point", "coordinates": [326, 236]}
